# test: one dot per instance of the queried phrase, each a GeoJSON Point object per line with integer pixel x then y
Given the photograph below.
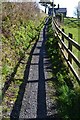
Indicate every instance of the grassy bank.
{"type": "Point", "coordinates": [20, 30]}
{"type": "Point", "coordinates": [20, 27]}
{"type": "Point", "coordinates": [68, 91]}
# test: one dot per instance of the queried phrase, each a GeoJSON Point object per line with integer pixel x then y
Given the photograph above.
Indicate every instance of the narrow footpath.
{"type": "Point", "coordinates": [36, 93]}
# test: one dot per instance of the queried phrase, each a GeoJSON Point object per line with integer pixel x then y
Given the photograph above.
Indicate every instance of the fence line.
{"type": "Point", "coordinates": [61, 35]}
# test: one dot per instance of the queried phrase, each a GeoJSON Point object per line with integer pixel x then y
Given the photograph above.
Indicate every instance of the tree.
{"type": "Point", "coordinates": [77, 10]}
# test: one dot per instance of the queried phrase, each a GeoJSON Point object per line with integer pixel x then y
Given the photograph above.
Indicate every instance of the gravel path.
{"type": "Point", "coordinates": [36, 101]}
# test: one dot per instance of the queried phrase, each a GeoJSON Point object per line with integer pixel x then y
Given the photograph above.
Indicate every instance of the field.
{"type": "Point", "coordinates": [72, 25]}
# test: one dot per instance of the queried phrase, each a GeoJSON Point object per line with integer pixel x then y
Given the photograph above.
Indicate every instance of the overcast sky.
{"type": "Point", "coordinates": [69, 4]}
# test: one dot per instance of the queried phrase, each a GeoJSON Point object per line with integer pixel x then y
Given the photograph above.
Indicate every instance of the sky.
{"type": "Point", "coordinates": [69, 4]}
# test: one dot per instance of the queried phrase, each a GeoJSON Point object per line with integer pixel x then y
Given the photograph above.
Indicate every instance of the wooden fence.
{"type": "Point", "coordinates": [68, 49]}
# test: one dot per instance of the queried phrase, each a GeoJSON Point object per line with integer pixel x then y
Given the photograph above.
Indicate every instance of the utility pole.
{"type": "Point", "coordinates": [53, 7]}
{"type": "Point", "coordinates": [45, 7]}
{"type": "Point", "coordinates": [52, 10]}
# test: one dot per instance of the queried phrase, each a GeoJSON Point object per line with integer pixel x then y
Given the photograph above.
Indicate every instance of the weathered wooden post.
{"type": "Point", "coordinates": [79, 43]}
{"type": "Point", "coordinates": [79, 34]}
{"type": "Point", "coordinates": [62, 37]}
{"type": "Point", "coordinates": [45, 7]}
{"type": "Point", "coordinates": [62, 18]}
{"type": "Point", "coordinates": [70, 48]}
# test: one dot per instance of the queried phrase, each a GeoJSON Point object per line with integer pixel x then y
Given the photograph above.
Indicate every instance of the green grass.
{"type": "Point", "coordinates": [19, 33]}
{"type": "Point", "coordinates": [74, 31]}
{"type": "Point", "coordinates": [22, 40]}
{"type": "Point", "coordinates": [72, 25]}
{"type": "Point", "coordinates": [67, 89]}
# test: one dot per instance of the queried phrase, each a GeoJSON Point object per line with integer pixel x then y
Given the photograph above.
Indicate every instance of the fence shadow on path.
{"type": "Point", "coordinates": [41, 94]}
{"type": "Point", "coordinates": [17, 105]}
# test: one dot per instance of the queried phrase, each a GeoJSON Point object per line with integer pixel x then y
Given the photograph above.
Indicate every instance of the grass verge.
{"type": "Point", "coordinates": [68, 90]}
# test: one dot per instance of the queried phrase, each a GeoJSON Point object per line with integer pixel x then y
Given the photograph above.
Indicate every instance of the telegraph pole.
{"type": "Point", "coordinates": [53, 7]}
{"type": "Point", "coordinates": [52, 11]}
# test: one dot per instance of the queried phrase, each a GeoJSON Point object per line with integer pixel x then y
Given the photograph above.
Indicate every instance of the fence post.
{"type": "Point", "coordinates": [70, 48]}
{"type": "Point", "coordinates": [62, 37]}
{"type": "Point", "coordinates": [79, 43]}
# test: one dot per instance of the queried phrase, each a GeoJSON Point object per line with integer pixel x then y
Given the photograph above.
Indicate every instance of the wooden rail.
{"type": "Point", "coordinates": [61, 36]}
